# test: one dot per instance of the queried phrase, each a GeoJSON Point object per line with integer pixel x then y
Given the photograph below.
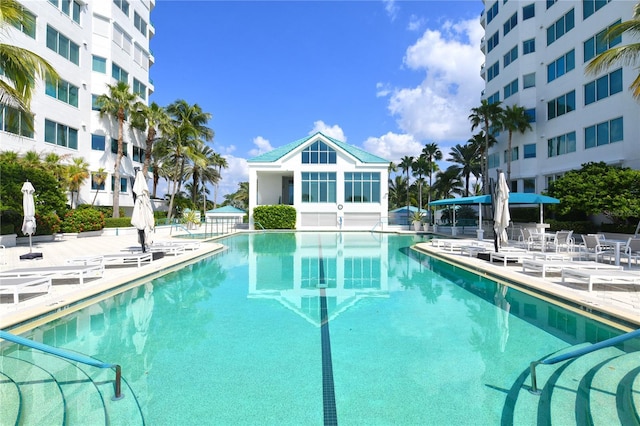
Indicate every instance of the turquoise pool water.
{"type": "Point", "coordinates": [321, 328]}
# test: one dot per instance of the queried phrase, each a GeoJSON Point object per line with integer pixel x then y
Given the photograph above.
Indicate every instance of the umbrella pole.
{"type": "Point", "coordinates": [30, 247]}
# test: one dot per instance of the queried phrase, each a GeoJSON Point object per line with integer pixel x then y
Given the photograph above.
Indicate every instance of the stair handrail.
{"type": "Point", "coordinates": [259, 224]}
{"type": "Point", "coordinates": [578, 353]}
{"type": "Point", "coordinates": [68, 355]}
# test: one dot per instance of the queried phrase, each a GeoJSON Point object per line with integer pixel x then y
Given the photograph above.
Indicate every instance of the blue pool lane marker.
{"type": "Point", "coordinates": [328, 390]}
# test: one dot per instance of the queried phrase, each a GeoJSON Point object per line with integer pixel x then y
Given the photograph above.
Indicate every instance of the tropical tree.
{"type": "Point", "coordinates": [21, 68]}
{"type": "Point", "coordinates": [56, 164]}
{"type": "Point", "coordinates": [119, 103]}
{"type": "Point", "coordinates": [77, 173]}
{"type": "Point", "coordinates": [188, 130]}
{"type": "Point", "coordinates": [202, 170]}
{"type": "Point", "coordinates": [515, 118]}
{"type": "Point", "coordinates": [405, 165]}
{"type": "Point", "coordinates": [99, 178]}
{"type": "Point", "coordinates": [420, 168]}
{"type": "Point", "coordinates": [397, 189]}
{"type": "Point", "coordinates": [626, 55]}
{"type": "Point", "coordinates": [240, 198]}
{"type": "Point", "coordinates": [466, 158]}
{"type": "Point", "coordinates": [220, 163]}
{"type": "Point", "coordinates": [488, 116]}
{"type": "Point", "coordinates": [448, 183]}
{"type": "Point", "coordinates": [479, 142]}
{"type": "Point", "coordinates": [433, 154]}
{"type": "Point", "coordinates": [152, 118]}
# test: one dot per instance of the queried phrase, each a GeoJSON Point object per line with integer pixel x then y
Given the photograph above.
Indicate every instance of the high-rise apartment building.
{"type": "Point", "coordinates": [91, 44]}
{"type": "Point", "coordinates": [536, 53]}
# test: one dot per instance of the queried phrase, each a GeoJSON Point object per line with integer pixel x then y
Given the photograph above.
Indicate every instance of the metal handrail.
{"type": "Point", "coordinates": [380, 222]}
{"type": "Point", "coordinates": [577, 353]}
{"type": "Point", "coordinates": [259, 224]}
{"type": "Point", "coordinates": [68, 355]}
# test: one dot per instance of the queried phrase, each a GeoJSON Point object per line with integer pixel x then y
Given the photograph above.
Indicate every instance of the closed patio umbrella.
{"type": "Point", "coordinates": [29, 211]}
{"type": "Point", "coordinates": [142, 216]}
{"type": "Point", "coordinates": [502, 217]}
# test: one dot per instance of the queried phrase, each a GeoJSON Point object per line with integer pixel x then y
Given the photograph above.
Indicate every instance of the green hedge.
{"type": "Point", "coordinates": [117, 222]}
{"type": "Point", "coordinates": [83, 220]}
{"type": "Point", "coordinates": [275, 217]}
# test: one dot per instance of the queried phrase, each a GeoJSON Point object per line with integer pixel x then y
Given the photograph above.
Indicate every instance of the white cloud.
{"type": "Point", "coordinates": [393, 146]}
{"type": "Point", "coordinates": [391, 8]}
{"type": "Point", "coordinates": [262, 145]}
{"type": "Point", "coordinates": [334, 131]}
{"type": "Point", "coordinates": [438, 108]}
{"type": "Point", "coordinates": [238, 171]}
{"type": "Point", "coordinates": [415, 23]}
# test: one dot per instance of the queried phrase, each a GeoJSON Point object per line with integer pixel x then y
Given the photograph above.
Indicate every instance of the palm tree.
{"type": "Point", "coordinates": [152, 118]}
{"type": "Point", "coordinates": [77, 173]}
{"type": "Point", "coordinates": [55, 163]}
{"type": "Point", "coordinates": [99, 179]}
{"type": "Point", "coordinates": [405, 165]}
{"type": "Point", "coordinates": [186, 133]}
{"type": "Point", "coordinates": [433, 154]}
{"type": "Point", "coordinates": [627, 54]}
{"type": "Point", "coordinates": [21, 67]}
{"type": "Point", "coordinates": [221, 163]}
{"type": "Point", "coordinates": [515, 118]}
{"type": "Point", "coordinates": [203, 170]}
{"type": "Point", "coordinates": [479, 142]}
{"type": "Point", "coordinates": [397, 187]}
{"type": "Point", "coordinates": [448, 183]}
{"type": "Point", "coordinates": [467, 160]}
{"type": "Point", "coordinates": [420, 167]}
{"type": "Point", "coordinates": [488, 115]}
{"type": "Point", "coordinates": [119, 103]}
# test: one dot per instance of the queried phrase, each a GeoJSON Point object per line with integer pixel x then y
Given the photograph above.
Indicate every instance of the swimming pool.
{"type": "Point", "coordinates": [321, 328]}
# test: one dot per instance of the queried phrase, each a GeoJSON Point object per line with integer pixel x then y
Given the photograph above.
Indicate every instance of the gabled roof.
{"type": "Point", "coordinates": [226, 209]}
{"type": "Point", "coordinates": [275, 155]}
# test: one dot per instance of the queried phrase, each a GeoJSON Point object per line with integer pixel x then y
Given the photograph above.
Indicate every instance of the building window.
{"type": "Point", "coordinates": [528, 11]}
{"type": "Point", "coordinates": [561, 66]}
{"type": "Point", "coordinates": [141, 57]}
{"type": "Point", "coordinates": [511, 56]}
{"type": "Point", "coordinates": [29, 25]}
{"type": "Point", "coordinates": [63, 91]}
{"type": "Point", "coordinates": [561, 27]}
{"type": "Point", "coordinates": [139, 23]}
{"type": "Point", "coordinates": [95, 185]}
{"type": "Point", "coordinates": [94, 103]}
{"type": "Point", "coordinates": [123, 5]}
{"type": "Point", "coordinates": [114, 147]}
{"type": "Point", "coordinates": [561, 145]}
{"type": "Point", "coordinates": [59, 134]}
{"type": "Point", "coordinates": [514, 154]}
{"type": "Point", "coordinates": [603, 87]}
{"type": "Point", "coordinates": [362, 187]}
{"type": "Point", "coordinates": [510, 24]}
{"type": "Point", "coordinates": [598, 43]}
{"type": "Point", "coordinates": [318, 153]}
{"type": "Point", "coordinates": [139, 89]}
{"type": "Point", "coordinates": [494, 98]}
{"type": "Point", "coordinates": [493, 160]}
{"type": "Point", "coordinates": [493, 71]}
{"type": "Point", "coordinates": [99, 64]}
{"type": "Point", "coordinates": [97, 142]}
{"type": "Point", "coordinates": [551, 3]}
{"type": "Point", "coordinates": [561, 105]}
{"type": "Point", "coordinates": [493, 41]}
{"type": "Point", "coordinates": [531, 115]}
{"type": "Point", "coordinates": [529, 80]}
{"type": "Point", "coordinates": [123, 184]}
{"type": "Point", "coordinates": [529, 150]}
{"type": "Point", "coordinates": [511, 88]}
{"type": "Point", "coordinates": [604, 133]}
{"type": "Point", "coordinates": [122, 39]}
{"type": "Point", "coordinates": [138, 154]}
{"type": "Point", "coordinates": [15, 121]}
{"type": "Point", "coordinates": [318, 187]}
{"type": "Point", "coordinates": [529, 46]}
{"type": "Point", "coordinates": [492, 12]}
{"type": "Point", "coordinates": [589, 7]}
{"type": "Point", "coordinates": [63, 46]}
{"type": "Point", "coordinates": [118, 73]}
{"type": "Point", "coordinates": [529, 185]}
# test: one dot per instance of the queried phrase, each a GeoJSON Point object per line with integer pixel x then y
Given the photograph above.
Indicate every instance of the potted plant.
{"type": "Point", "coordinates": [416, 220]}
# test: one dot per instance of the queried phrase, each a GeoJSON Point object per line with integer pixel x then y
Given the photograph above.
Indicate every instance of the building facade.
{"type": "Point", "coordinates": [535, 57]}
{"type": "Point", "coordinates": [90, 44]}
{"type": "Point", "coordinates": [332, 185]}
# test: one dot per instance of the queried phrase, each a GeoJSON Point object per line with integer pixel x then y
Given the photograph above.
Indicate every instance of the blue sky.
{"type": "Point", "coordinates": [387, 76]}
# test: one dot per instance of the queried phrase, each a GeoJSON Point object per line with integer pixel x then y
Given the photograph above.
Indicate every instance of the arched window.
{"type": "Point", "coordinates": [318, 153]}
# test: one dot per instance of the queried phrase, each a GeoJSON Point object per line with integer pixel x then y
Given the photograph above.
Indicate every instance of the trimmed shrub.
{"type": "Point", "coordinates": [48, 224]}
{"type": "Point", "coordinates": [278, 216]}
{"type": "Point", "coordinates": [578, 227]}
{"type": "Point", "coordinates": [117, 222]}
{"type": "Point", "coordinates": [83, 220]}
{"type": "Point", "coordinates": [107, 211]}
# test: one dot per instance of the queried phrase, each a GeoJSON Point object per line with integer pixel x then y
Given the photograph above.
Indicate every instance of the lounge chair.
{"type": "Point", "coordinates": [601, 276]}
{"type": "Point", "coordinates": [126, 259]}
{"type": "Point", "coordinates": [187, 245]}
{"type": "Point", "coordinates": [59, 272]}
{"type": "Point", "coordinates": [547, 265]}
{"type": "Point", "coordinates": [24, 285]}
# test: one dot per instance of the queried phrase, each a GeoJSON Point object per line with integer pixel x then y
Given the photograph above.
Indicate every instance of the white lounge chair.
{"type": "Point", "coordinates": [187, 245]}
{"type": "Point", "coordinates": [24, 285]}
{"type": "Point", "coordinates": [126, 259]}
{"type": "Point", "coordinates": [59, 272]}
{"type": "Point", "coordinates": [601, 276]}
{"type": "Point", "coordinates": [546, 265]}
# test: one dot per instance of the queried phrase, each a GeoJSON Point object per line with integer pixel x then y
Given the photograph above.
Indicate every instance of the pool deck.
{"type": "Point", "coordinates": [616, 300]}
{"type": "Point", "coordinates": [65, 292]}
{"type": "Point", "coordinates": [620, 301]}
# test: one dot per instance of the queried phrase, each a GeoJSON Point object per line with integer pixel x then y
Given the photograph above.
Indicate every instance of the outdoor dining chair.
{"type": "Point", "coordinates": [632, 251]}
{"type": "Point", "coordinates": [592, 247]}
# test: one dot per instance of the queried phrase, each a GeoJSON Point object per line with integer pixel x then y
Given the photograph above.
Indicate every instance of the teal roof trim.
{"type": "Point", "coordinates": [226, 209]}
{"type": "Point", "coordinates": [275, 155]}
